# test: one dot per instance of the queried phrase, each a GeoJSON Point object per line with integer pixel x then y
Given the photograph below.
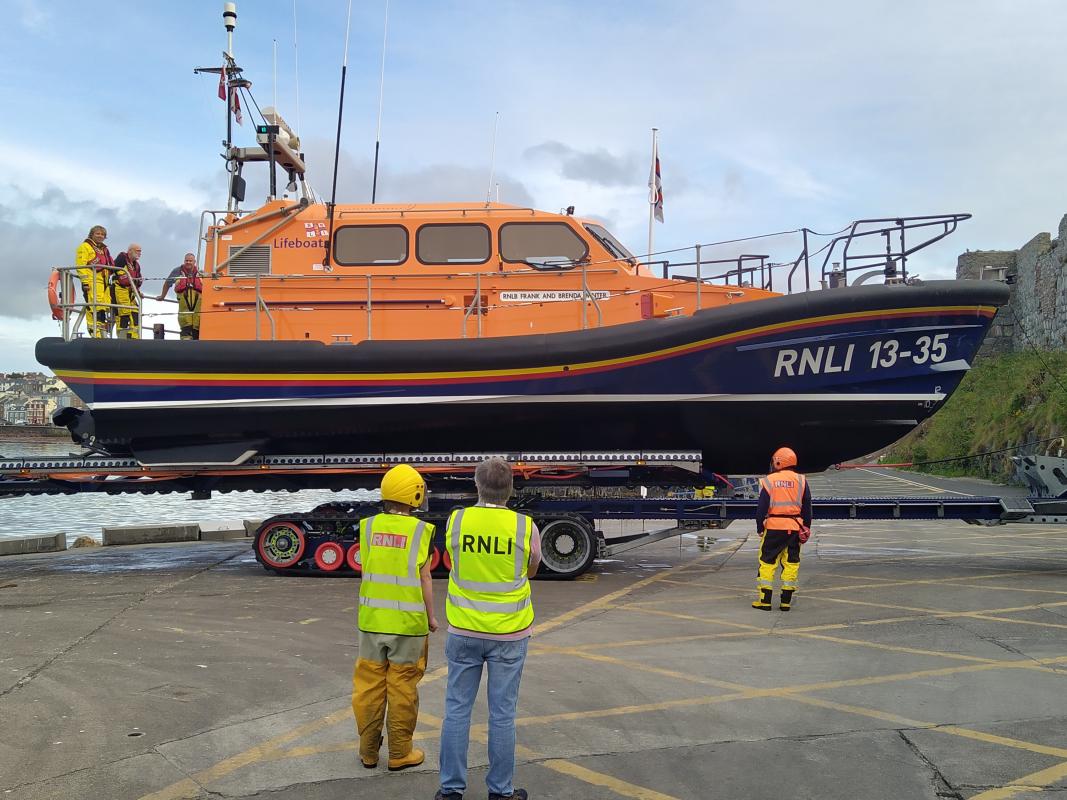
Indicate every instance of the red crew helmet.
{"type": "Point", "coordinates": [784, 457]}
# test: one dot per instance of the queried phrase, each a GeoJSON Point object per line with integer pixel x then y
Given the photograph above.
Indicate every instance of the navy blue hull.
{"type": "Point", "coordinates": [836, 374]}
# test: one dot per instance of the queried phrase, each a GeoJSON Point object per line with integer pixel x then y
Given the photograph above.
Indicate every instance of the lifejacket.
{"type": "Point", "coordinates": [131, 272]}
{"type": "Point", "coordinates": [785, 489]}
{"type": "Point", "coordinates": [100, 256]}
{"type": "Point", "coordinates": [488, 590]}
{"type": "Point", "coordinates": [187, 282]}
{"type": "Point", "coordinates": [392, 548]}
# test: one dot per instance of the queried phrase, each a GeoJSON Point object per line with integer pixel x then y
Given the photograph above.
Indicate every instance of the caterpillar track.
{"type": "Point", "coordinates": [325, 541]}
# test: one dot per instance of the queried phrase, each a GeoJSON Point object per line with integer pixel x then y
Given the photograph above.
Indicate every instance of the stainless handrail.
{"type": "Point", "coordinates": [592, 298]}
{"type": "Point", "coordinates": [476, 303]}
{"type": "Point", "coordinates": [69, 306]}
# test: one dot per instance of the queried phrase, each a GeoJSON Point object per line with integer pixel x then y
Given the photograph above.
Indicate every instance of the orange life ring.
{"type": "Point", "coordinates": [53, 295]}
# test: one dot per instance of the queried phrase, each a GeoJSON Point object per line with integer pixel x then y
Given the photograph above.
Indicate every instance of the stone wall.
{"type": "Point", "coordinates": [1036, 314]}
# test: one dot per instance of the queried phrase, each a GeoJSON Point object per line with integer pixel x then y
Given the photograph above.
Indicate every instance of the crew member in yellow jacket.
{"type": "Point", "coordinates": [92, 259]}
{"type": "Point", "coordinates": [395, 618]}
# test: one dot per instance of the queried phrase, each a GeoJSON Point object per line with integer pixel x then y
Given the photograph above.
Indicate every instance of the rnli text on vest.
{"type": "Point", "coordinates": [469, 543]}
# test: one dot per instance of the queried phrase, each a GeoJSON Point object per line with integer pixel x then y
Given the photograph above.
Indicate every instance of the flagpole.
{"type": "Point", "coordinates": [652, 196]}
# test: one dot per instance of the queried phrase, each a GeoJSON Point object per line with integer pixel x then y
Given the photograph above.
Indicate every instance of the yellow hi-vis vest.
{"type": "Point", "coordinates": [487, 586]}
{"type": "Point", "coordinates": [392, 548]}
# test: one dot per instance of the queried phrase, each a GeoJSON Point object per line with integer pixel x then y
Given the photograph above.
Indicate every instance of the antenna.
{"type": "Point", "coordinates": [229, 19]}
{"type": "Point", "coordinates": [381, 97]}
{"type": "Point", "coordinates": [337, 145]}
{"type": "Point", "coordinates": [296, 70]}
{"type": "Point", "coordinates": [492, 159]}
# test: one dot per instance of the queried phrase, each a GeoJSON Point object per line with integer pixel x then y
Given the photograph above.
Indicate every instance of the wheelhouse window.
{"type": "Point", "coordinates": [368, 245]}
{"type": "Point", "coordinates": [611, 244]}
{"type": "Point", "coordinates": [453, 244]}
{"type": "Point", "coordinates": [542, 245]}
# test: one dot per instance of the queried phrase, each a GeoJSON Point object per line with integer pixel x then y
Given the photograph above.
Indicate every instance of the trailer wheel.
{"type": "Point", "coordinates": [329, 556]}
{"type": "Point", "coordinates": [280, 545]}
{"type": "Point", "coordinates": [568, 547]}
{"type": "Point", "coordinates": [435, 558]}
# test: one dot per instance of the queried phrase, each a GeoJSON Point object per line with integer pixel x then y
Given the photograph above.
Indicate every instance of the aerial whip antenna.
{"type": "Point", "coordinates": [492, 160]}
{"type": "Point", "coordinates": [229, 19]}
{"type": "Point", "coordinates": [337, 145]}
{"type": "Point", "coordinates": [381, 96]}
{"type": "Point", "coordinates": [296, 69]}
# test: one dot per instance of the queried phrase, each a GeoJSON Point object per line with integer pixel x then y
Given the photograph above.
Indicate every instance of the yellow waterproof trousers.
{"type": "Point", "coordinates": [126, 316]}
{"type": "Point", "coordinates": [189, 314]}
{"type": "Point", "coordinates": [97, 295]}
{"type": "Point", "coordinates": [385, 691]}
{"type": "Point", "coordinates": [779, 548]}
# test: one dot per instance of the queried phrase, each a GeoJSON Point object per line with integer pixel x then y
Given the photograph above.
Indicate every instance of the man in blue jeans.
{"type": "Point", "coordinates": [494, 550]}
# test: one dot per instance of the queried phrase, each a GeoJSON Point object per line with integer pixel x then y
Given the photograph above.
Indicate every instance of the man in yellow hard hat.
{"type": "Point", "coordinates": [395, 618]}
{"type": "Point", "coordinates": [783, 518]}
{"type": "Point", "coordinates": [494, 551]}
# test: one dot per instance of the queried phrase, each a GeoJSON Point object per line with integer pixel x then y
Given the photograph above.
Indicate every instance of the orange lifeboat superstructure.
{"type": "Point", "coordinates": [429, 271]}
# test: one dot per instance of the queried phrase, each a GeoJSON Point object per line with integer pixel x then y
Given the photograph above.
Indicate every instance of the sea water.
{"type": "Point", "coordinates": [86, 513]}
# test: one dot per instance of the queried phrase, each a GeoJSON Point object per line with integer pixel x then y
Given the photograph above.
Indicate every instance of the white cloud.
{"type": "Point", "coordinates": [27, 166]}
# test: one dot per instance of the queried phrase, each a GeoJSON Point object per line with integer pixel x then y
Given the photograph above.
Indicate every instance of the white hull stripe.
{"type": "Point", "coordinates": [338, 402]}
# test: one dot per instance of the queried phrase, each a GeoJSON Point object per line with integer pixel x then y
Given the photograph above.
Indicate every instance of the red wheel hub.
{"type": "Point", "coordinates": [329, 556]}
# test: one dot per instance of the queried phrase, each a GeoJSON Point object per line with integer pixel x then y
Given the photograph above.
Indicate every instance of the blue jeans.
{"type": "Point", "coordinates": [466, 655]}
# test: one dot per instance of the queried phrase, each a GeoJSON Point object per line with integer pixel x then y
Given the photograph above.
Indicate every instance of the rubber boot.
{"type": "Point", "coordinates": [764, 601]}
{"type": "Point", "coordinates": [786, 599]}
{"type": "Point", "coordinates": [414, 757]}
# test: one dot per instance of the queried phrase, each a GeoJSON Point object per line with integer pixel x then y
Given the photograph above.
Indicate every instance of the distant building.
{"type": "Point", "coordinates": [15, 413]}
{"type": "Point", "coordinates": [35, 411]}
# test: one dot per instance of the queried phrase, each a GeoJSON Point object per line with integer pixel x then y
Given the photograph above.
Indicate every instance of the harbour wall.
{"type": "Point", "coordinates": [1036, 314]}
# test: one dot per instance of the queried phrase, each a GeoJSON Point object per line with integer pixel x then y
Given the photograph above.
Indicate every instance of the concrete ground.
{"type": "Point", "coordinates": [921, 660]}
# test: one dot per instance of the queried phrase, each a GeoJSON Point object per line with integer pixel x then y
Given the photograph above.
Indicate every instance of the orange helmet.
{"type": "Point", "coordinates": [784, 457]}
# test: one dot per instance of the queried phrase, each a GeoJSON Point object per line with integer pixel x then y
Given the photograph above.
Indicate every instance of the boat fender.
{"type": "Point", "coordinates": [53, 295]}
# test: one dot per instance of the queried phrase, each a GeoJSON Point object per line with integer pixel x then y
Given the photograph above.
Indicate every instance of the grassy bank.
{"type": "Point", "coordinates": [1003, 401]}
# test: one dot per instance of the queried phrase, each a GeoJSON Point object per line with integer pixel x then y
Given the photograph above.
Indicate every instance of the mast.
{"type": "Point", "coordinates": [229, 19]}
{"type": "Point", "coordinates": [337, 145]}
{"type": "Point", "coordinates": [652, 196]}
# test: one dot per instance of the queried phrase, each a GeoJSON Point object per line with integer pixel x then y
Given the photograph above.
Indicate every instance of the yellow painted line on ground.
{"type": "Point", "coordinates": [564, 767]}
{"type": "Point", "coordinates": [616, 785]}
{"type": "Point", "coordinates": [940, 612]}
{"type": "Point", "coordinates": [953, 730]}
{"type": "Point", "coordinates": [609, 599]}
{"type": "Point", "coordinates": [982, 665]}
{"type": "Point", "coordinates": [756, 631]}
{"type": "Point", "coordinates": [966, 584]}
{"type": "Point", "coordinates": [882, 559]}
{"type": "Point", "coordinates": [1034, 782]}
{"type": "Point", "coordinates": [927, 486]}
{"type": "Point", "coordinates": [1058, 531]}
{"type": "Point", "coordinates": [309, 620]}
{"type": "Point", "coordinates": [191, 787]}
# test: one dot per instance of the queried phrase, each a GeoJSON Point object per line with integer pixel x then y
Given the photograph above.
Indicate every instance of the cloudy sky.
{"type": "Point", "coordinates": [773, 115]}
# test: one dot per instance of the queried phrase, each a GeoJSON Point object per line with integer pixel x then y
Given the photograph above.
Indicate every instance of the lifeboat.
{"type": "Point", "coordinates": [422, 328]}
{"type": "Point", "coordinates": [833, 373]}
